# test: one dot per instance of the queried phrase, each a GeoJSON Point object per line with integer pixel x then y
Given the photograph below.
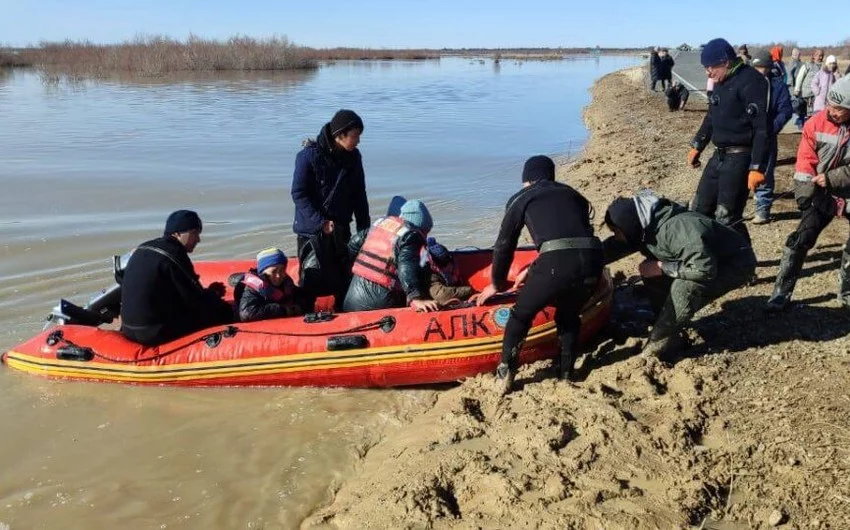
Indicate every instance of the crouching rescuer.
{"type": "Point", "coordinates": [690, 260]}
{"type": "Point", "coordinates": [565, 273]}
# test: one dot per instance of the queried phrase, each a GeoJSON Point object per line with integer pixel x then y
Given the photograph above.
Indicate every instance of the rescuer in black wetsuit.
{"type": "Point", "coordinates": [737, 124]}
{"type": "Point", "coordinates": [565, 272]}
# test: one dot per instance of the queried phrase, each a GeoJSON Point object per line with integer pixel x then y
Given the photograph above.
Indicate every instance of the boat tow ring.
{"type": "Point", "coordinates": [214, 339]}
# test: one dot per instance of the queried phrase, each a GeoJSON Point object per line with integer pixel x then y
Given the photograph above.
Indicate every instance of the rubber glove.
{"type": "Point", "coordinates": [755, 179]}
{"type": "Point", "coordinates": [693, 158]}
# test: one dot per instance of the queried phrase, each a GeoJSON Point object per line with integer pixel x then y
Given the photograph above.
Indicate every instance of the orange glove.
{"type": "Point", "coordinates": [755, 179]}
{"type": "Point", "coordinates": [693, 158]}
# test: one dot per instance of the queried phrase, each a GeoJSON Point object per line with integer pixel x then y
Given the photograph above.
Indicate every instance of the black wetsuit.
{"type": "Point", "coordinates": [564, 278]}
{"type": "Point", "coordinates": [737, 123]}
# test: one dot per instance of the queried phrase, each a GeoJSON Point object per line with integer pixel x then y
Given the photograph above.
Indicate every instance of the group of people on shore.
{"type": "Point", "coordinates": [749, 105]}
{"type": "Point", "coordinates": [692, 255]}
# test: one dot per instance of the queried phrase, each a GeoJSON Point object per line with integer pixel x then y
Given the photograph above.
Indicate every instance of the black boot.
{"type": "Point", "coordinates": [789, 270]}
{"type": "Point", "coordinates": [844, 275]}
{"type": "Point", "coordinates": [568, 352]}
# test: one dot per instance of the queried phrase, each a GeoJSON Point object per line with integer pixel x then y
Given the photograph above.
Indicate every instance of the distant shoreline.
{"type": "Point", "coordinates": [159, 56]}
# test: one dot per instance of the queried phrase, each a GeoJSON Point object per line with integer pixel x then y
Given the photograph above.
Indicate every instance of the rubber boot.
{"type": "Point", "coordinates": [664, 338]}
{"type": "Point", "coordinates": [844, 276]}
{"type": "Point", "coordinates": [567, 360]}
{"type": "Point", "coordinates": [789, 270]}
{"type": "Point", "coordinates": [505, 378]}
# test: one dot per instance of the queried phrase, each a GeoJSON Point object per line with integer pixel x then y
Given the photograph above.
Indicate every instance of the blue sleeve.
{"type": "Point", "coordinates": [304, 192]}
{"type": "Point", "coordinates": [783, 109]}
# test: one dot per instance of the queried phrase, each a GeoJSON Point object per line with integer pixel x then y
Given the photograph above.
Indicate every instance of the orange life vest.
{"type": "Point", "coordinates": [376, 261]}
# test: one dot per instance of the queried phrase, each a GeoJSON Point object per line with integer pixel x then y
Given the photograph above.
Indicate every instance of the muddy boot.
{"type": "Point", "coordinates": [786, 279]}
{"type": "Point", "coordinates": [665, 339]}
{"type": "Point", "coordinates": [567, 360]}
{"type": "Point", "coordinates": [504, 378]}
{"type": "Point", "coordinates": [844, 276]}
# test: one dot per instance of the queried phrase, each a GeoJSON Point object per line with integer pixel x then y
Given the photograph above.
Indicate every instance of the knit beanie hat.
{"type": "Point", "coordinates": [415, 213]}
{"type": "Point", "coordinates": [182, 221]}
{"type": "Point", "coordinates": [831, 60]}
{"type": "Point", "coordinates": [269, 258]}
{"type": "Point", "coordinates": [345, 119]}
{"type": "Point", "coordinates": [716, 51]}
{"type": "Point", "coordinates": [623, 214]}
{"type": "Point", "coordinates": [762, 58]}
{"type": "Point", "coordinates": [538, 167]}
{"type": "Point", "coordinates": [839, 93]}
{"type": "Point", "coordinates": [438, 252]}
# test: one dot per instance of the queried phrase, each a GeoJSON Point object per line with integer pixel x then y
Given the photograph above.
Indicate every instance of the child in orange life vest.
{"type": "Point", "coordinates": [267, 291]}
{"type": "Point", "coordinates": [440, 269]}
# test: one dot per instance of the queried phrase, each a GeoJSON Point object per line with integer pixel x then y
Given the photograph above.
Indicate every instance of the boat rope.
{"type": "Point", "coordinates": [73, 351]}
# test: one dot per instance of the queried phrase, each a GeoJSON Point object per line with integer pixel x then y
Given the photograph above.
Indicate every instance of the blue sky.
{"type": "Point", "coordinates": [411, 24]}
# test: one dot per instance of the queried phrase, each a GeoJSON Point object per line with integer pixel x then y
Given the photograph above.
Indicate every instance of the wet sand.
{"type": "Point", "coordinates": [748, 430]}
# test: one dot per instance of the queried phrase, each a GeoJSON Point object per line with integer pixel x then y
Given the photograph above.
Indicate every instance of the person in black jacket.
{"type": "Point", "coordinates": [268, 292]}
{"type": "Point", "coordinates": [654, 62]}
{"type": "Point", "coordinates": [677, 96]}
{"type": "Point", "coordinates": [328, 188]}
{"type": "Point", "coordinates": [161, 297]}
{"type": "Point", "coordinates": [386, 271]}
{"type": "Point", "coordinates": [665, 68]}
{"type": "Point", "coordinates": [737, 124]}
{"type": "Point", "coordinates": [565, 272]}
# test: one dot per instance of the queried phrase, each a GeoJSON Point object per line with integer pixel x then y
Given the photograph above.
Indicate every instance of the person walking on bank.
{"type": "Point", "coordinates": [161, 297]}
{"type": "Point", "coordinates": [822, 190]}
{"type": "Point", "coordinates": [796, 63]}
{"type": "Point", "coordinates": [329, 188]}
{"type": "Point", "coordinates": [690, 260]}
{"type": "Point", "coordinates": [737, 124]}
{"type": "Point", "coordinates": [803, 85]}
{"type": "Point", "coordinates": [823, 81]}
{"type": "Point", "coordinates": [779, 113]}
{"type": "Point", "coordinates": [654, 65]}
{"type": "Point", "coordinates": [665, 68]}
{"type": "Point", "coordinates": [565, 272]}
{"type": "Point", "coordinates": [744, 54]}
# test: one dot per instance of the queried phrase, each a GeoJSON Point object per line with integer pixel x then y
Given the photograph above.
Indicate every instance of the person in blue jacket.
{"type": "Point", "coordinates": [779, 113]}
{"type": "Point", "coordinates": [329, 188]}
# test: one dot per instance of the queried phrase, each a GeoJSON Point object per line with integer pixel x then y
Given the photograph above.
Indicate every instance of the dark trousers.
{"type": "Point", "coordinates": [325, 267]}
{"type": "Point", "coordinates": [722, 191]}
{"type": "Point", "coordinates": [565, 279]}
{"type": "Point", "coordinates": [664, 84]}
{"type": "Point", "coordinates": [677, 300]}
{"type": "Point", "coordinates": [813, 221]}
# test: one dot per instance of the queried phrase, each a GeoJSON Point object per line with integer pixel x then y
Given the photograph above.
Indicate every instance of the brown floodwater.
{"type": "Point", "coordinates": [90, 169]}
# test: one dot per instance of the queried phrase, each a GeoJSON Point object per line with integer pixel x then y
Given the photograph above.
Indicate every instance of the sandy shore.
{"type": "Point", "coordinates": [750, 430]}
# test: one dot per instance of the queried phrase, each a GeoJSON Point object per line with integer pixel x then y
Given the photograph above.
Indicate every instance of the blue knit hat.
{"type": "Point", "coordinates": [269, 258]}
{"type": "Point", "coordinates": [716, 51]}
{"type": "Point", "coordinates": [438, 252]}
{"type": "Point", "coordinates": [415, 213]}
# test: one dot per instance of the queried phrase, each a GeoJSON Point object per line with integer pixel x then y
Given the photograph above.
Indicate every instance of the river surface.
{"type": "Point", "coordinates": [91, 169]}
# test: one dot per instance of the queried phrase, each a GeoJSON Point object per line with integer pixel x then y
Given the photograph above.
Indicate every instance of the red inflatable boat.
{"type": "Point", "coordinates": [366, 349]}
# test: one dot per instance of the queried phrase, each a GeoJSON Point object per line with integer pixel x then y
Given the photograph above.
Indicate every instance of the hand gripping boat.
{"type": "Point", "coordinates": [381, 348]}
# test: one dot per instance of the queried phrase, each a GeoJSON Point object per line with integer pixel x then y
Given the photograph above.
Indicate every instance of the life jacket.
{"type": "Point", "coordinates": [265, 289]}
{"type": "Point", "coordinates": [376, 260]}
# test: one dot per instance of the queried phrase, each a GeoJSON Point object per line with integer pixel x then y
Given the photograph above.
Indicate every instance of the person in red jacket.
{"type": "Point", "coordinates": [822, 190]}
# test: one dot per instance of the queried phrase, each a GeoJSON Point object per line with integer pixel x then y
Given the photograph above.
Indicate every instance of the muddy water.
{"type": "Point", "coordinates": [89, 170]}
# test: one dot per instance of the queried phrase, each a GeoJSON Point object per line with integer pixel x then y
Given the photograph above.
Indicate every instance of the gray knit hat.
{"type": "Point", "coordinates": [415, 213]}
{"type": "Point", "coordinates": [839, 93]}
{"type": "Point", "coordinates": [762, 58]}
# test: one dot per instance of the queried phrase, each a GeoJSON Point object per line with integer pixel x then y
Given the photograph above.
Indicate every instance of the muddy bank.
{"type": "Point", "coordinates": [749, 430]}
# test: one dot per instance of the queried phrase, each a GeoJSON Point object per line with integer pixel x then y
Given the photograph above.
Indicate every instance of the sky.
{"type": "Point", "coordinates": [417, 23]}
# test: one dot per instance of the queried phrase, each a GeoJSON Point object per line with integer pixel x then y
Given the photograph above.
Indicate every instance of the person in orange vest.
{"type": "Point", "coordinates": [268, 292]}
{"type": "Point", "coordinates": [386, 271]}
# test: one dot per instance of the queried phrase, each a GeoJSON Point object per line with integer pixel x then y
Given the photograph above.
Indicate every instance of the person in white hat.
{"type": "Point", "coordinates": [823, 81]}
